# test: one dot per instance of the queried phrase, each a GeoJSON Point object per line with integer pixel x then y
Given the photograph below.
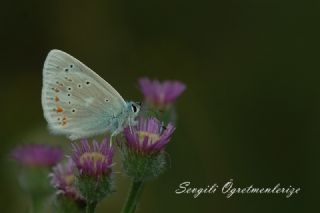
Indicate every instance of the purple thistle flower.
{"type": "Point", "coordinates": [149, 136]}
{"type": "Point", "coordinates": [63, 179]}
{"type": "Point", "coordinates": [95, 159]}
{"type": "Point", "coordinates": [37, 155]}
{"type": "Point", "coordinates": [161, 94]}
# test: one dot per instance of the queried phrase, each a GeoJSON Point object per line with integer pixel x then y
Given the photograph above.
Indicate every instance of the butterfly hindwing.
{"type": "Point", "coordinates": [76, 101]}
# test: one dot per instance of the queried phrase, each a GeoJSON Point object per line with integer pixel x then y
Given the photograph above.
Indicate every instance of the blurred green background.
{"type": "Point", "coordinates": [251, 111]}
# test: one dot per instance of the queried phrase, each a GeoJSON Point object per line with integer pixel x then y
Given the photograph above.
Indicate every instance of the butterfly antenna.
{"type": "Point", "coordinates": [130, 126]}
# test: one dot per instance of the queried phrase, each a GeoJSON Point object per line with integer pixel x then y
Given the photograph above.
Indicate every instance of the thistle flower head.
{"type": "Point", "coordinates": [161, 94]}
{"type": "Point", "coordinates": [93, 159]}
{"type": "Point", "coordinates": [149, 136]}
{"type": "Point", "coordinates": [63, 179]}
{"type": "Point", "coordinates": [37, 155]}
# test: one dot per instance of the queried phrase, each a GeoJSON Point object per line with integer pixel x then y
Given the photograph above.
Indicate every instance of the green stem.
{"type": "Point", "coordinates": [134, 196]}
{"type": "Point", "coordinates": [91, 207]}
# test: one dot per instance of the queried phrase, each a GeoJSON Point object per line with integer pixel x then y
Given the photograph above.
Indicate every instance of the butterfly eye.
{"type": "Point", "coordinates": [134, 108]}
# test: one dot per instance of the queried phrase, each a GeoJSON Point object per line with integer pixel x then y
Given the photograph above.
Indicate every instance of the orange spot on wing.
{"type": "Point", "coordinates": [59, 109]}
{"type": "Point", "coordinates": [56, 99]}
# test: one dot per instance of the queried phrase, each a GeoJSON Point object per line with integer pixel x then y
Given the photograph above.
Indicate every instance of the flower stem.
{"type": "Point", "coordinates": [134, 196]}
{"type": "Point", "coordinates": [91, 207]}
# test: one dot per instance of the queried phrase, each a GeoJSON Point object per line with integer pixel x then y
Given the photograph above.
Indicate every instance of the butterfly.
{"type": "Point", "coordinates": [78, 103]}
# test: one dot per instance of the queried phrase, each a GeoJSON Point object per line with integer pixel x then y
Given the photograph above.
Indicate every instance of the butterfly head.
{"type": "Point", "coordinates": [134, 108]}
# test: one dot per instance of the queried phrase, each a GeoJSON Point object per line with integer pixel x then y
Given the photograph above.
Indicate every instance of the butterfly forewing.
{"type": "Point", "coordinates": [76, 101]}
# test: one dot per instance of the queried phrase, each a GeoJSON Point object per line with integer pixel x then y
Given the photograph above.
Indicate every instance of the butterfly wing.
{"type": "Point", "coordinates": [76, 101]}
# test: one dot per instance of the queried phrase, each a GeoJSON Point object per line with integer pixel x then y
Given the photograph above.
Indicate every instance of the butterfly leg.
{"type": "Point", "coordinates": [114, 135]}
{"type": "Point", "coordinates": [111, 137]}
{"type": "Point", "coordinates": [132, 123]}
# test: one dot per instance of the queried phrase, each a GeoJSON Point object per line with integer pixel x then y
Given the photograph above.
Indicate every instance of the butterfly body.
{"type": "Point", "coordinates": [117, 122]}
{"type": "Point", "coordinates": [79, 103]}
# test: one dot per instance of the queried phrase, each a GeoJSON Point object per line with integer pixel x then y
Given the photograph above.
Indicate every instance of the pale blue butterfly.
{"type": "Point", "coordinates": [78, 103]}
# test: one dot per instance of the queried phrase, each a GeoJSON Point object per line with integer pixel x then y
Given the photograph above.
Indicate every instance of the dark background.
{"type": "Point", "coordinates": [251, 111]}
